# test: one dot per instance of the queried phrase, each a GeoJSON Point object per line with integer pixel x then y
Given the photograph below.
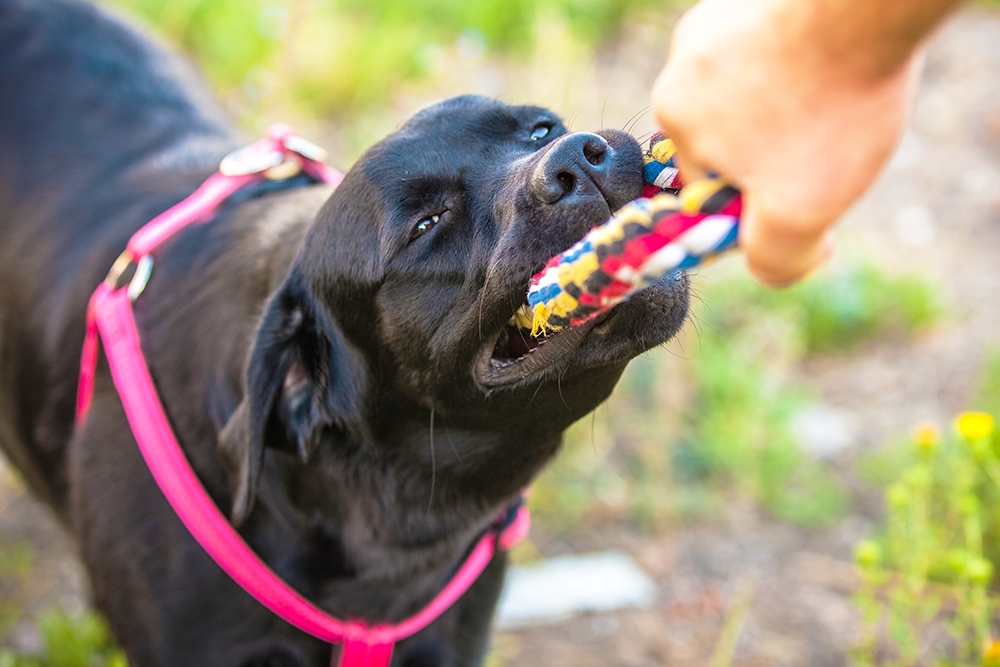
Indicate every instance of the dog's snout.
{"type": "Point", "coordinates": [576, 165]}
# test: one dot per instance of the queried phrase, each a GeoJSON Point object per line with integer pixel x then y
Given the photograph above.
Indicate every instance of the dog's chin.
{"type": "Point", "coordinates": [651, 317]}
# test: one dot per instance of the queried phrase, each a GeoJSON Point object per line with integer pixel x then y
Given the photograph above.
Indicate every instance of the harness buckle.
{"type": "Point", "coordinates": [139, 280]}
{"type": "Point", "coordinates": [118, 268]}
{"type": "Point", "coordinates": [279, 155]}
{"type": "Point", "coordinates": [253, 159]}
{"type": "Point", "coordinates": [305, 148]}
{"type": "Point", "coordinates": [143, 269]}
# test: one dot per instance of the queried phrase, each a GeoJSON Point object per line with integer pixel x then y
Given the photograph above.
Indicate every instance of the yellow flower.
{"type": "Point", "coordinates": [979, 570]}
{"type": "Point", "coordinates": [867, 553]}
{"type": "Point", "coordinates": [975, 425]}
{"type": "Point", "coordinates": [926, 435]}
{"type": "Point", "coordinates": [991, 654]}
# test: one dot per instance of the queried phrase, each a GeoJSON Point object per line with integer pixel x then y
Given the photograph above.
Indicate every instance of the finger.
{"type": "Point", "coordinates": [668, 114]}
{"type": "Point", "coordinates": [779, 255]}
{"type": "Point", "coordinates": [691, 168]}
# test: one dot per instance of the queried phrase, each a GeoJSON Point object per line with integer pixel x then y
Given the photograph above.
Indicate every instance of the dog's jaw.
{"type": "Point", "coordinates": [540, 354]}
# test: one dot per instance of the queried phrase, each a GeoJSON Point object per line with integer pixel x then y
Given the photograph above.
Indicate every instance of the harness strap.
{"type": "Point", "coordinates": [361, 651]}
{"type": "Point", "coordinates": [111, 319]}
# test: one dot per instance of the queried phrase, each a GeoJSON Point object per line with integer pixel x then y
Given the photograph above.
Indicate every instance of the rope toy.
{"type": "Point", "coordinates": [670, 228]}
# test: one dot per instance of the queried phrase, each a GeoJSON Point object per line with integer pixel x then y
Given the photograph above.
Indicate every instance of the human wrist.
{"type": "Point", "coordinates": [865, 41]}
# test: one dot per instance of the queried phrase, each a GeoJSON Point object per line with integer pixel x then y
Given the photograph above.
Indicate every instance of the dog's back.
{"type": "Point", "coordinates": [99, 131]}
{"type": "Point", "coordinates": [85, 99]}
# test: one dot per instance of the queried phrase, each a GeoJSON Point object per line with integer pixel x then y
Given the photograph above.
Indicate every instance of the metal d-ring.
{"type": "Point", "coordinates": [118, 268]}
{"type": "Point", "coordinates": [140, 279]}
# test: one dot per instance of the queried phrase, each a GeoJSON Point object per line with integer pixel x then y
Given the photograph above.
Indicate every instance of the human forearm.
{"type": "Point", "coordinates": [870, 38]}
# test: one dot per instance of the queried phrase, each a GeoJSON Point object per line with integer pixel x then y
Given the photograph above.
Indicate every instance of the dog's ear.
{"type": "Point", "coordinates": [286, 405]}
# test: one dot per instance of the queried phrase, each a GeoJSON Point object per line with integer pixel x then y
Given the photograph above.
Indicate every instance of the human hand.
{"type": "Point", "coordinates": [758, 92]}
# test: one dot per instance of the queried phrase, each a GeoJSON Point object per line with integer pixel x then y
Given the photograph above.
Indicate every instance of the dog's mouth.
{"type": "Point", "coordinates": [516, 355]}
{"type": "Point", "coordinates": [585, 196]}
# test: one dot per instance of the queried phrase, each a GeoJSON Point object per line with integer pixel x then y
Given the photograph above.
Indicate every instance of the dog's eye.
{"type": "Point", "coordinates": [540, 131]}
{"type": "Point", "coordinates": [425, 225]}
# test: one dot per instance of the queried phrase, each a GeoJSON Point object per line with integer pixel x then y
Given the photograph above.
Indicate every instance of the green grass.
{"type": "Point", "coordinates": [935, 556]}
{"type": "Point", "coordinates": [68, 640]}
{"type": "Point", "coordinates": [80, 640]}
{"type": "Point", "coordinates": [333, 57]}
{"type": "Point", "coordinates": [934, 559]}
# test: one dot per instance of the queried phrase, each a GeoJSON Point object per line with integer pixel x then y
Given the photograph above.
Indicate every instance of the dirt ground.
{"type": "Point", "coordinates": [935, 210]}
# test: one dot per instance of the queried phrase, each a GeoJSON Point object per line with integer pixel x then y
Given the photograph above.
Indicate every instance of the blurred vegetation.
{"type": "Point", "coordinates": [933, 561]}
{"type": "Point", "coordinates": [15, 565]}
{"type": "Point", "coordinates": [833, 311]}
{"type": "Point", "coordinates": [331, 57]}
{"type": "Point", "coordinates": [80, 640]}
{"type": "Point", "coordinates": [67, 640]}
{"type": "Point", "coordinates": [685, 431]}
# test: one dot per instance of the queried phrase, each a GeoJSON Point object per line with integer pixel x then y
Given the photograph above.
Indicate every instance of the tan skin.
{"type": "Point", "coordinates": [799, 103]}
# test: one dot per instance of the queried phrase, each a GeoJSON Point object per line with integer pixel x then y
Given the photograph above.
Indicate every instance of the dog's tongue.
{"type": "Point", "coordinates": [640, 244]}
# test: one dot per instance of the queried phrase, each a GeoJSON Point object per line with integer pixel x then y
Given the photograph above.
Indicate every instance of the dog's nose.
{"type": "Point", "coordinates": [576, 165]}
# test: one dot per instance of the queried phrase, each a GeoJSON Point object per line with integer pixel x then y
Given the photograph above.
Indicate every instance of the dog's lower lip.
{"type": "Point", "coordinates": [492, 372]}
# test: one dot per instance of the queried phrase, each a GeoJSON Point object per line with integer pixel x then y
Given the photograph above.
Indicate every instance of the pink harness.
{"type": "Point", "coordinates": [279, 155]}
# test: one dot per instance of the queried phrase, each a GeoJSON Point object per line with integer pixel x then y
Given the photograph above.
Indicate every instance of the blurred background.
{"type": "Point", "coordinates": [788, 477]}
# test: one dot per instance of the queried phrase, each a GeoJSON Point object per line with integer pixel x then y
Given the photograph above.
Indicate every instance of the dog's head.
{"type": "Point", "coordinates": [398, 309]}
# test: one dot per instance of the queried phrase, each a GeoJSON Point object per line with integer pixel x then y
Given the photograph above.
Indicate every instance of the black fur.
{"type": "Point", "coordinates": [316, 356]}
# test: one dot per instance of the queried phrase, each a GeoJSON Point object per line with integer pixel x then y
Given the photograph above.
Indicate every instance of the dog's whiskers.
{"type": "Point", "coordinates": [636, 117]}
{"type": "Point", "coordinates": [534, 395]}
{"type": "Point", "coordinates": [433, 465]}
{"type": "Point", "coordinates": [644, 137]}
{"type": "Point", "coordinates": [561, 397]}
{"type": "Point", "coordinates": [482, 295]}
{"type": "Point", "coordinates": [454, 450]}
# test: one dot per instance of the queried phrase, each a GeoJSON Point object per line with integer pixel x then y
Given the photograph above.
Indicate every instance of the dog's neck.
{"type": "Point", "coordinates": [365, 525]}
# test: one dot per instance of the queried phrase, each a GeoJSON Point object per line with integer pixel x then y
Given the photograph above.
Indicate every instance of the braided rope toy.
{"type": "Point", "coordinates": [646, 240]}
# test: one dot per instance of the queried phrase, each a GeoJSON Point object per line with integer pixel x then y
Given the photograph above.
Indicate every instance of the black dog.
{"type": "Point", "coordinates": [340, 367]}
